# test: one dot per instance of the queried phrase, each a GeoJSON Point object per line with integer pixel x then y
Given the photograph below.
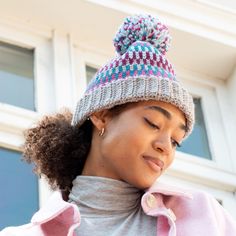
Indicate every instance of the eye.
{"type": "Point", "coordinates": [175, 143]}
{"type": "Point", "coordinates": [151, 124]}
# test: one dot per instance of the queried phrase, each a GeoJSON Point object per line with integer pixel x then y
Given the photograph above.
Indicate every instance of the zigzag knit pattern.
{"type": "Point", "coordinates": [141, 59]}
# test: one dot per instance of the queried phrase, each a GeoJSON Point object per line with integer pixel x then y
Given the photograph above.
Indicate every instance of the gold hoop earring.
{"type": "Point", "coordinates": [102, 132]}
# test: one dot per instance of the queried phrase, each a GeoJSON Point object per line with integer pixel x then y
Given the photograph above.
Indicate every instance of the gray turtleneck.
{"type": "Point", "coordinates": [110, 207]}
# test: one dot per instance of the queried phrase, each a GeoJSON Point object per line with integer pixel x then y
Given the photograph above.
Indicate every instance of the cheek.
{"type": "Point", "coordinates": [170, 160]}
{"type": "Point", "coordinates": [124, 142]}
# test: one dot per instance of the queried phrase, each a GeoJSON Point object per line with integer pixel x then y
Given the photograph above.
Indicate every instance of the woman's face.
{"type": "Point", "coordinates": [138, 144]}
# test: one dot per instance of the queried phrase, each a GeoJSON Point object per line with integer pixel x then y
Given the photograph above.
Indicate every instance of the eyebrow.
{"type": "Point", "coordinates": [166, 114]}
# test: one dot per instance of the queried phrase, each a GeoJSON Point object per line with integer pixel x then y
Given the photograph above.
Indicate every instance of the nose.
{"type": "Point", "coordinates": [162, 144]}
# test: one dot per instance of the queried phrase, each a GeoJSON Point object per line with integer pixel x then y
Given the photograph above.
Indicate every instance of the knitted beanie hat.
{"type": "Point", "coordinates": [139, 72]}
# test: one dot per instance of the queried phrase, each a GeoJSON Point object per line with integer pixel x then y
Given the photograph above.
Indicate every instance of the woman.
{"type": "Point", "coordinates": [122, 137]}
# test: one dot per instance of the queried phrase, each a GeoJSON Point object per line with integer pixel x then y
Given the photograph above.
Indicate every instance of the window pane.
{"type": "Point", "coordinates": [197, 142]}
{"type": "Point", "coordinates": [16, 76]}
{"type": "Point", "coordinates": [90, 72]}
{"type": "Point", "coordinates": [19, 189]}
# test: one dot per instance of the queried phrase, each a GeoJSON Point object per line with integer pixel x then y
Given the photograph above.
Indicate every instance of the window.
{"type": "Point", "coordinates": [197, 143]}
{"type": "Point", "coordinates": [17, 76]}
{"type": "Point", "coordinates": [19, 189]}
{"type": "Point", "coordinates": [90, 72]}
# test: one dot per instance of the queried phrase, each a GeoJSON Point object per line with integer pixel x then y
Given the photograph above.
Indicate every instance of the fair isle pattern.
{"type": "Point", "coordinates": [141, 59]}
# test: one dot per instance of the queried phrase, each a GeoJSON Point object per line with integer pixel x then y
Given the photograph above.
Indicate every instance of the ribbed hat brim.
{"type": "Point", "coordinates": [133, 90]}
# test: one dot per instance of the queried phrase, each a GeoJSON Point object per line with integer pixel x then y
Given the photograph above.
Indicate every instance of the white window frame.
{"type": "Point", "coordinates": [218, 172]}
{"type": "Point", "coordinates": [82, 57]}
{"type": "Point", "coordinates": [14, 120]}
{"type": "Point", "coordinates": [213, 123]}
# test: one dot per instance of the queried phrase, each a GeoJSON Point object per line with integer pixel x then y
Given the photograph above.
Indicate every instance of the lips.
{"type": "Point", "coordinates": [155, 163]}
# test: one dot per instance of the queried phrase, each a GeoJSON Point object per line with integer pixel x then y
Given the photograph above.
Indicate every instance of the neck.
{"type": "Point", "coordinates": [103, 196]}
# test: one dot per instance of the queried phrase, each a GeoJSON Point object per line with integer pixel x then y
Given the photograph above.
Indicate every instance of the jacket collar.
{"type": "Point", "coordinates": [56, 205]}
{"type": "Point", "coordinates": [169, 190]}
{"type": "Point", "coordinates": [53, 208]}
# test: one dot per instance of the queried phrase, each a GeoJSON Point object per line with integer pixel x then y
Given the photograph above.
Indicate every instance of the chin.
{"type": "Point", "coordinates": [144, 183]}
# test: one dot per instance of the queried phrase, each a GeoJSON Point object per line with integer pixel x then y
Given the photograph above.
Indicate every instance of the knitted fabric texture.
{"type": "Point", "coordinates": [139, 72]}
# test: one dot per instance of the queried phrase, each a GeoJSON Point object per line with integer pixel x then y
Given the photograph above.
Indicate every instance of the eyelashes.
{"type": "Point", "coordinates": [151, 124]}
{"type": "Point", "coordinates": [156, 127]}
{"type": "Point", "coordinates": [175, 143]}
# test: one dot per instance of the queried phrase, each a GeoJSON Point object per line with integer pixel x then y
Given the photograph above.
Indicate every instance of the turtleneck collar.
{"type": "Point", "coordinates": [99, 196]}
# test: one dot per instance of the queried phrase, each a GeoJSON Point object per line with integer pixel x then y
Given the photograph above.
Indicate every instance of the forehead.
{"type": "Point", "coordinates": [150, 104]}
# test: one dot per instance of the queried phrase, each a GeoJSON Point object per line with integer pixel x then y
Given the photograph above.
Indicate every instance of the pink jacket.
{"type": "Point", "coordinates": [179, 213]}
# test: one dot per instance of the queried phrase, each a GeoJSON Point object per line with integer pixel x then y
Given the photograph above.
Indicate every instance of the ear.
{"type": "Point", "coordinates": [100, 119]}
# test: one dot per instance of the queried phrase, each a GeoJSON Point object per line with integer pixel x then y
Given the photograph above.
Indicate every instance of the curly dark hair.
{"type": "Point", "coordinates": [58, 149]}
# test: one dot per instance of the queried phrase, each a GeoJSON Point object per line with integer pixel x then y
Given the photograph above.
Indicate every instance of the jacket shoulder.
{"type": "Point", "coordinates": [22, 230]}
{"type": "Point", "coordinates": [56, 217]}
{"type": "Point", "coordinates": [202, 210]}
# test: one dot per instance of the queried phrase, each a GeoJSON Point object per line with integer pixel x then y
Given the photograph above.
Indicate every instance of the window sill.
{"type": "Point", "coordinates": [202, 171]}
{"type": "Point", "coordinates": [13, 121]}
